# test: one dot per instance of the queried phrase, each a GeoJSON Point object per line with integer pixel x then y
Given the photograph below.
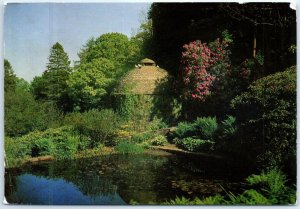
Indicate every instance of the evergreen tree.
{"type": "Point", "coordinates": [9, 77]}
{"type": "Point", "coordinates": [52, 85]}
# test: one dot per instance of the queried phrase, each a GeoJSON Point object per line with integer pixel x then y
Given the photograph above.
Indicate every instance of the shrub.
{"type": "Point", "coordinates": [159, 140]}
{"type": "Point", "coordinates": [65, 148]}
{"type": "Point", "coordinates": [16, 150]}
{"type": "Point", "coordinates": [194, 145]}
{"type": "Point", "coordinates": [145, 145]}
{"type": "Point", "coordinates": [156, 124]}
{"type": "Point", "coordinates": [126, 147]}
{"type": "Point", "coordinates": [228, 128]}
{"type": "Point", "coordinates": [23, 114]}
{"type": "Point", "coordinates": [202, 65]}
{"type": "Point", "coordinates": [267, 114]}
{"type": "Point", "coordinates": [206, 127]}
{"type": "Point", "coordinates": [62, 143]}
{"type": "Point", "coordinates": [184, 129]}
{"type": "Point", "coordinates": [42, 146]}
{"type": "Point", "coordinates": [267, 188]}
{"type": "Point", "coordinates": [99, 125]}
{"type": "Point", "coordinates": [141, 137]}
{"type": "Point", "coordinates": [84, 142]}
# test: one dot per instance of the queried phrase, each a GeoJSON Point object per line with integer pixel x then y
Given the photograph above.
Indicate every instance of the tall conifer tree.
{"type": "Point", "coordinates": [52, 85]}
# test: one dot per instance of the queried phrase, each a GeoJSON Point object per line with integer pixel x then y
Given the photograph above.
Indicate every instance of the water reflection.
{"type": "Point", "coordinates": [42, 191]}
{"type": "Point", "coordinates": [118, 179]}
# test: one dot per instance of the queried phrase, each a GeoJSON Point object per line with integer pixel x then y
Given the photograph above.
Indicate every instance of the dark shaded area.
{"type": "Point", "coordinates": [273, 25]}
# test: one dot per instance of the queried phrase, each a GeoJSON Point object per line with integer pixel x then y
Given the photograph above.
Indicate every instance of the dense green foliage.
{"type": "Point", "coordinates": [184, 129]}
{"type": "Point", "coordinates": [228, 127]}
{"type": "Point", "coordinates": [127, 147]}
{"type": "Point", "coordinates": [141, 137]}
{"type": "Point", "coordinates": [52, 85]}
{"type": "Point", "coordinates": [144, 39]}
{"type": "Point", "coordinates": [267, 114]}
{"type": "Point", "coordinates": [115, 47]}
{"type": "Point", "coordinates": [206, 127]}
{"type": "Point", "coordinates": [9, 77]}
{"type": "Point", "coordinates": [61, 142]}
{"type": "Point", "coordinates": [23, 113]}
{"type": "Point", "coordinates": [98, 125]}
{"type": "Point", "coordinates": [159, 140]}
{"type": "Point", "coordinates": [194, 144]}
{"type": "Point", "coordinates": [90, 82]}
{"type": "Point", "coordinates": [102, 62]}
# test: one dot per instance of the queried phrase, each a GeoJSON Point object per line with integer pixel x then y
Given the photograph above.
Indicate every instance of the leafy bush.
{"type": "Point", "coordinates": [267, 114]}
{"type": "Point", "coordinates": [65, 148]}
{"type": "Point", "coordinates": [267, 188]}
{"type": "Point", "coordinates": [156, 124]}
{"type": "Point", "coordinates": [62, 143]}
{"type": "Point", "coordinates": [194, 145]}
{"type": "Point", "coordinates": [84, 142]}
{"type": "Point", "coordinates": [42, 146]}
{"type": "Point", "coordinates": [228, 128]}
{"type": "Point", "coordinates": [206, 126]}
{"type": "Point", "coordinates": [145, 145]}
{"type": "Point", "coordinates": [16, 150]}
{"type": "Point", "coordinates": [126, 147]}
{"type": "Point", "coordinates": [202, 65]}
{"type": "Point", "coordinates": [273, 186]}
{"type": "Point", "coordinates": [22, 114]}
{"type": "Point", "coordinates": [184, 129]}
{"type": "Point", "coordinates": [159, 140]}
{"type": "Point", "coordinates": [141, 137]}
{"type": "Point", "coordinates": [99, 125]}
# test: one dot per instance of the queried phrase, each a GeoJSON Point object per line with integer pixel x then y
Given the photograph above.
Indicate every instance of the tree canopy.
{"type": "Point", "coordinates": [52, 85]}
{"type": "Point", "coordinates": [115, 47]}
{"type": "Point", "coordinates": [102, 61]}
{"type": "Point", "coordinates": [9, 77]}
{"type": "Point", "coordinates": [90, 82]}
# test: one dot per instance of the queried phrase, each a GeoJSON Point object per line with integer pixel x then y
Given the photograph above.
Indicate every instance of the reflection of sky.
{"type": "Point", "coordinates": [39, 190]}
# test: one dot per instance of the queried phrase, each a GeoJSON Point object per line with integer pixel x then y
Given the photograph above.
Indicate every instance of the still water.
{"type": "Point", "coordinates": [150, 178]}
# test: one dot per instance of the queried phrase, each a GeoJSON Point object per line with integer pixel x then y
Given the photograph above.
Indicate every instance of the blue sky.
{"type": "Point", "coordinates": [30, 29]}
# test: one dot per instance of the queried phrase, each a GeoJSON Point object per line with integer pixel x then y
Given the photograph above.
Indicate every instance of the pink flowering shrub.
{"type": "Point", "coordinates": [202, 67]}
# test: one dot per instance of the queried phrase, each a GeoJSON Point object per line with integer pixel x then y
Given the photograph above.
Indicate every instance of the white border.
{"type": "Point", "coordinates": [2, 5]}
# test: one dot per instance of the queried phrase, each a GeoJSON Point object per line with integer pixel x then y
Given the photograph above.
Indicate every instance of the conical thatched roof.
{"type": "Point", "coordinates": [145, 79]}
{"type": "Point", "coordinates": [147, 61]}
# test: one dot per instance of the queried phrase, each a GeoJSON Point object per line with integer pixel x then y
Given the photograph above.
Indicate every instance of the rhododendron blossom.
{"type": "Point", "coordinates": [201, 67]}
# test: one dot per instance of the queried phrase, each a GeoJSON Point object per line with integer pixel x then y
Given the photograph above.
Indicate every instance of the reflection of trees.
{"type": "Point", "coordinates": [143, 178]}
{"type": "Point", "coordinates": [138, 176]}
{"type": "Point", "coordinates": [131, 177]}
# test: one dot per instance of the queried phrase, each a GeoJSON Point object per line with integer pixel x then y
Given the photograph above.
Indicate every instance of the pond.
{"type": "Point", "coordinates": [149, 178]}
